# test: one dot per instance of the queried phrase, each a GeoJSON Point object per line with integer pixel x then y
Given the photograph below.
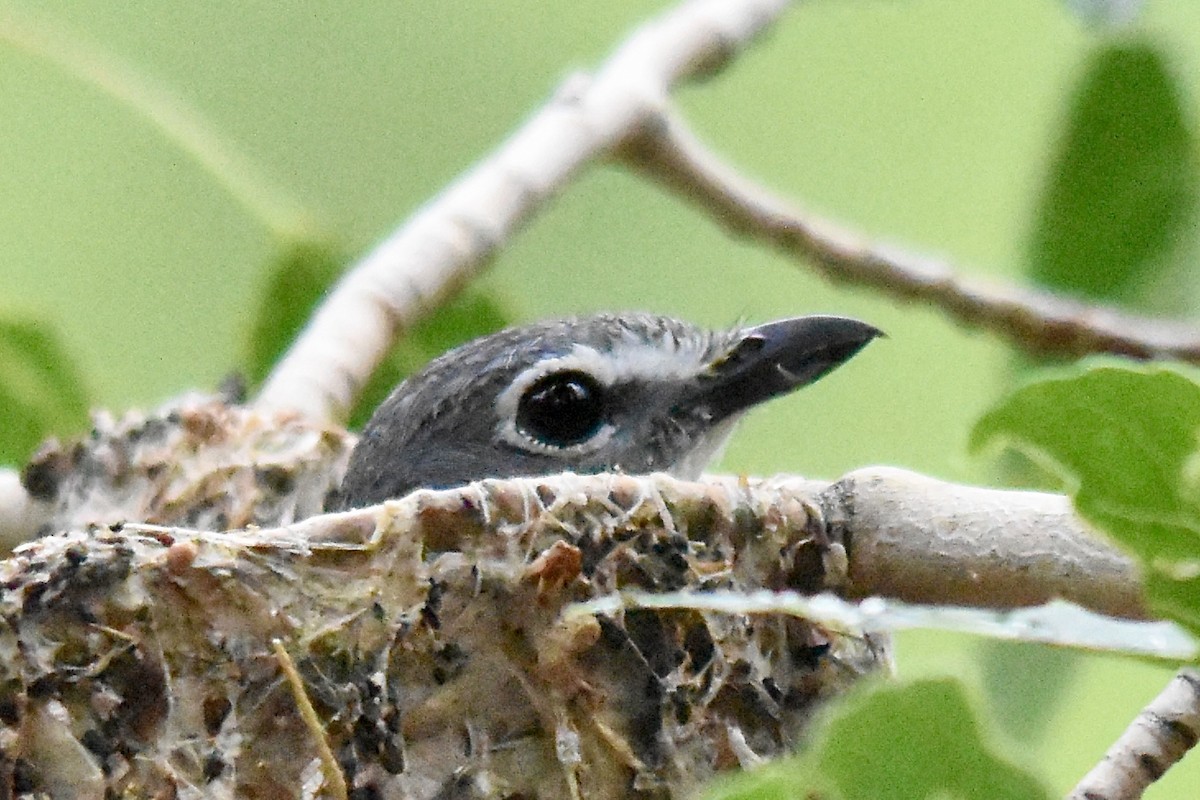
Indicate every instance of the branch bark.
{"type": "Point", "coordinates": [201, 463]}
{"type": "Point", "coordinates": [921, 540]}
{"type": "Point", "coordinates": [451, 239]}
{"type": "Point", "coordinates": [902, 535]}
{"type": "Point", "coordinates": [1037, 322]}
{"type": "Point", "coordinates": [624, 111]}
{"type": "Point", "coordinates": [1160, 736]}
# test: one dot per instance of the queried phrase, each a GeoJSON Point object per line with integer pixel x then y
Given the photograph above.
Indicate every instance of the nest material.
{"type": "Point", "coordinates": [436, 639]}
{"type": "Point", "coordinates": [198, 462]}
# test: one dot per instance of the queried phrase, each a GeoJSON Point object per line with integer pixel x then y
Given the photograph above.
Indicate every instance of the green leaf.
{"type": "Point", "coordinates": [298, 279]}
{"type": "Point", "coordinates": [1117, 213]}
{"type": "Point", "coordinates": [901, 741]}
{"type": "Point", "coordinates": [916, 740]}
{"type": "Point", "coordinates": [1124, 437]}
{"type": "Point", "coordinates": [1115, 222]}
{"type": "Point", "coordinates": [783, 780]}
{"type": "Point", "coordinates": [1025, 684]}
{"type": "Point", "coordinates": [41, 392]}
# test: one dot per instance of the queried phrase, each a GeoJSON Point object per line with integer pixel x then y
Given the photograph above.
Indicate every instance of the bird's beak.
{"type": "Point", "coordinates": [773, 359]}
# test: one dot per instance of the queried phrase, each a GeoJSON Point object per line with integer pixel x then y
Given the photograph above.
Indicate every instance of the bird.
{"type": "Point", "coordinates": [618, 392]}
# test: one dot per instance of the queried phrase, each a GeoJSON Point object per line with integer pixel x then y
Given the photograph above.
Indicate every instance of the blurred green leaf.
{"type": "Point", "coordinates": [299, 279]}
{"type": "Point", "coordinates": [1125, 439]}
{"type": "Point", "coordinates": [901, 741]}
{"type": "Point", "coordinates": [41, 392]}
{"type": "Point", "coordinates": [1115, 223]}
{"type": "Point", "coordinates": [1024, 684]}
{"type": "Point", "coordinates": [913, 741]}
{"type": "Point", "coordinates": [1117, 214]}
{"type": "Point", "coordinates": [782, 780]}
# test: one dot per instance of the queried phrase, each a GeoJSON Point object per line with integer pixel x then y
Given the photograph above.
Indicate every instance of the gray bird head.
{"type": "Point", "coordinates": [629, 392]}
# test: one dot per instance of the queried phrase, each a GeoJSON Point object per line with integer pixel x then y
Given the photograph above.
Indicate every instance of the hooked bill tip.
{"type": "Point", "coordinates": [773, 359]}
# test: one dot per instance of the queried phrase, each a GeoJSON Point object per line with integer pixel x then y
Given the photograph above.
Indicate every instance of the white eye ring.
{"type": "Point", "coordinates": [630, 359]}
{"type": "Point", "coordinates": [580, 359]}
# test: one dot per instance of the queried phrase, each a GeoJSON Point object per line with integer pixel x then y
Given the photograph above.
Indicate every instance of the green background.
{"type": "Point", "coordinates": [929, 126]}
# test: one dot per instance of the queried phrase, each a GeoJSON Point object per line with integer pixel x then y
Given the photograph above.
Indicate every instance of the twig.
{"type": "Point", "coordinates": [1037, 322]}
{"type": "Point", "coordinates": [184, 126]}
{"type": "Point", "coordinates": [922, 540]}
{"type": "Point", "coordinates": [624, 109]}
{"type": "Point", "coordinates": [1160, 736]}
{"type": "Point", "coordinates": [453, 237]}
{"type": "Point", "coordinates": [333, 773]}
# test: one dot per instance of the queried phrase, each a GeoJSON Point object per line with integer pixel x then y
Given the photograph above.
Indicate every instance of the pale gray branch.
{"type": "Point", "coordinates": [454, 235]}
{"type": "Point", "coordinates": [200, 463]}
{"type": "Point", "coordinates": [922, 540]}
{"type": "Point", "coordinates": [1161, 735]}
{"type": "Point", "coordinates": [1036, 322]}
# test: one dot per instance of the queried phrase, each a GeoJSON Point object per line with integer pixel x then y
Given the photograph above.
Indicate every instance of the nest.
{"type": "Point", "coordinates": [431, 647]}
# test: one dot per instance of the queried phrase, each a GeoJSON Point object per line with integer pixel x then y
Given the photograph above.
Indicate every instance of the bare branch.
{"type": "Point", "coordinates": [1160, 736]}
{"type": "Point", "coordinates": [900, 534]}
{"type": "Point", "coordinates": [1037, 322]}
{"type": "Point", "coordinates": [921, 540]}
{"type": "Point", "coordinates": [452, 237]}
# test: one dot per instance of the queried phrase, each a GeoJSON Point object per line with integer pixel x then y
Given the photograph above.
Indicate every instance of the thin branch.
{"type": "Point", "coordinates": [334, 778]}
{"type": "Point", "coordinates": [201, 463]}
{"type": "Point", "coordinates": [452, 238]}
{"type": "Point", "coordinates": [1037, 322]}
{"type": "Point", "coordinates": [183, 125]}
{"type": "Point", "coordinates": [918, 539]}
{"type": "Point", "coordinates": [1161, 735]}
{"type": "Point", "coordinates": [624, 109]}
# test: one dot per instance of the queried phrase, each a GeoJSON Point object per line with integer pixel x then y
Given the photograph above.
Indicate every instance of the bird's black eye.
{"type": "Point", "coordinates": [561, 409]}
